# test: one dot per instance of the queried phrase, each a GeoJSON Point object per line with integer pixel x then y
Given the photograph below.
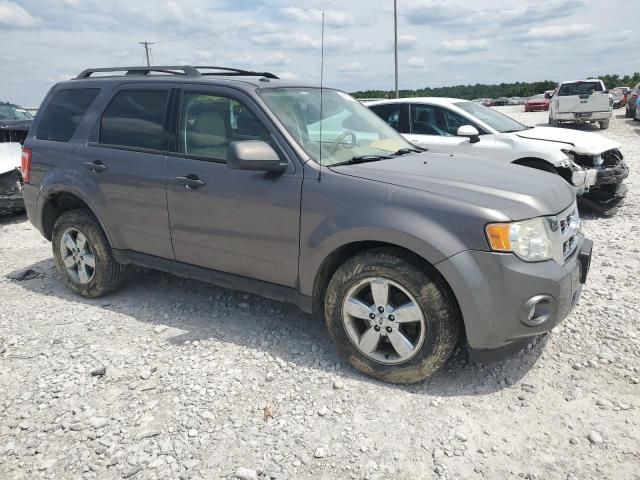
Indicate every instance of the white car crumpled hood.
{"type": "Point", "coordinates": [10, 156]}
{"type": "Point", "coordinates": [584, 143]}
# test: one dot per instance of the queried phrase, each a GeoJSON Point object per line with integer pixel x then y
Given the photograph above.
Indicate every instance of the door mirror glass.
{"type": "Point", "coordinates": [254, 155]}
{"type": "Point", "coordinates": [469, 131]}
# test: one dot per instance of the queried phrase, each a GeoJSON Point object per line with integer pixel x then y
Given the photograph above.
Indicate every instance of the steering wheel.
{"type": "Point", "coordinates": [341, 137]}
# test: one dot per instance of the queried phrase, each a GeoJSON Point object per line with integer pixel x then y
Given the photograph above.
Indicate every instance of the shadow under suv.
{"type": "Point", "coordinates": [301, 195]}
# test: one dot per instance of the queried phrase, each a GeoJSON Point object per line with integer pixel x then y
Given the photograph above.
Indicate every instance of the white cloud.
{"type": "Point", "coordinates": [553, 32]}
{"type": "Point", "coordinates": [13, 15]}
{"type": "Point", "coordinates": [406, 42]}
{"type": "Point", "coordinates": [417, 63]}
{"type": "Point", "coordinates": [299, 41]}
{"type": "Point", "coordinates": [275, 59]}
{"type": "Point", "coordinates": [287, 76]}
{"type": "Point", "coordinates": [313, 15]}
{"type": "Point", "coordinates": [458, 14]}
{"type": "Point", "coordinates": [462, 46]}
{"type": "Point", "coordinates": [353, 67]}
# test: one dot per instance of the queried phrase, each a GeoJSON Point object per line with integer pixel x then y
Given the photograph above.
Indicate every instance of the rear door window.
{"type": "Point", "coordinates": [395, 114]}
{"type": "Point", "coordinates": [64, 112]}
{"type": "Point", "coordinates": [428, 120]}
{"type": "Point", "coordinates": [136, 118]}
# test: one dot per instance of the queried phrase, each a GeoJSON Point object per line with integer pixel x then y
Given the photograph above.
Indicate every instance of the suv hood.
{"type": "Point", "coordinates": [584, 143]}
{"type": "Point", "coordinates": [516, 191]}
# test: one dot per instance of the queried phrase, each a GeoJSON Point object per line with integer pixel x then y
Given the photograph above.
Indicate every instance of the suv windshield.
{"type": "Point", "coordinates": [348, 129]}
{"type": "Point", "coordinates": [13, 112]}
{"type": "Point", "coordinates": [579, 88]}
{"type": "Point", "coordinates": [495, 120]}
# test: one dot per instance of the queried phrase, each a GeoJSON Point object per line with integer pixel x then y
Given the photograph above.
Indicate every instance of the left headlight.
{"type": "Point", "coordinates": [531, 240]}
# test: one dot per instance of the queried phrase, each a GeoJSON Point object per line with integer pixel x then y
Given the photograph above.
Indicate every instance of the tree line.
{"type": "Point", "coordinates": [517, 89]}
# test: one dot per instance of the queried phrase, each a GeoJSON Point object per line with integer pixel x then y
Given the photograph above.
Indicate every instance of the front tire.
{"type": "Point", "coordinates": [391, 317]}
{"type": "Point", "coordinates": [83, 255]}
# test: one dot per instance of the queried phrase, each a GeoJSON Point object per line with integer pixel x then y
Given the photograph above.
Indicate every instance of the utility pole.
{"type": "Point", "coordinates": [395, 41]}
{"type": "Point", "coordinates": [146, 50]}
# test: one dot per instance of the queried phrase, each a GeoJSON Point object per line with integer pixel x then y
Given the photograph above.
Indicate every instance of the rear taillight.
{"type": "Point", "coordinates": [25, 167]}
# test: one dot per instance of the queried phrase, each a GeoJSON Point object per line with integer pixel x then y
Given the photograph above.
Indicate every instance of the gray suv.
{"type": "Point", "coordinates": [301, 195]}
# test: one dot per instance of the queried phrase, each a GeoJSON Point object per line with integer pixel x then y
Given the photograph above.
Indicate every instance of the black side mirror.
{"type": "Point", "coordinates": [254, 155]}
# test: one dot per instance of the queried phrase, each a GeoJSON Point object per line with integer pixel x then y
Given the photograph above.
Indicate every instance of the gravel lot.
{"type": "Point", "coordinates": [171, 378]}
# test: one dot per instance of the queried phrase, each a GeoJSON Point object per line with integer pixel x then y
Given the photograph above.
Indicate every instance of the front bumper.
{"type": "Point", "coordinates": [10, 196]}
{"type": "Point", "coordinates": [492, 290]}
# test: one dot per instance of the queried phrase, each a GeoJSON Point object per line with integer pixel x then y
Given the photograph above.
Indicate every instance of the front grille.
{"type": "Point", "coordinates": [569, 227]}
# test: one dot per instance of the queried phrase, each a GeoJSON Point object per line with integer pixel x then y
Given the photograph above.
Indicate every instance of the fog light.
{"type": "Point", "coordinates": [537, 310]}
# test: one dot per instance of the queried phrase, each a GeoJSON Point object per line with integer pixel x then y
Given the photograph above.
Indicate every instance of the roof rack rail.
{"type": "Point", "coordinates": [186, 70]}
{"type": "Point", "coordinates": [234, 72]}
{"type": "Point", "coordinates": [173, 69]}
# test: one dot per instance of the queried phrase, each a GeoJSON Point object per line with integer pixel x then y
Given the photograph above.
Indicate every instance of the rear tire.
{"type": "Point", "coordinates": [83, 255]}
{"type": "Point", "coordinates": [604, 124]}
{"type": "Point", "coordinates": [418, 289]}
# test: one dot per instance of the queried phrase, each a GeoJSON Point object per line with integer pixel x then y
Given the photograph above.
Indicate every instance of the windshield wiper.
{"type": "Point", "coordinates": [361, 159]}
{"type": "Point", "coordinates": [404, 151]}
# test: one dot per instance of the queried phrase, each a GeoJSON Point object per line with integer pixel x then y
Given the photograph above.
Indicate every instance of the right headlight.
{"type": "Point", "coordinates": [530, 240]}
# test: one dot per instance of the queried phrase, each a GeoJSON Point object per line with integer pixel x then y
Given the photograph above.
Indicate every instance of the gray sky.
{"type": "Point", "coordinates": [441, 42]}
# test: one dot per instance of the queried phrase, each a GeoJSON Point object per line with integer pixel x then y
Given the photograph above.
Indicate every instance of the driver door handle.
{"type": "Point", "coordinates": [191, 181]}
{"type": "Point", "coordinates": [96, 166]}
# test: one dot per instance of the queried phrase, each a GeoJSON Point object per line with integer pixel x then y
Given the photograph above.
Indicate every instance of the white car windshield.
{"type": "Point", "coordinates": [348, 130]}
{"type": "Point", "coordinates": [495, 120]}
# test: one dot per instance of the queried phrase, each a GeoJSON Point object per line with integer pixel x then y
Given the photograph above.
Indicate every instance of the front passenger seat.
{"type": "Point", "coordinates": [208, 137]}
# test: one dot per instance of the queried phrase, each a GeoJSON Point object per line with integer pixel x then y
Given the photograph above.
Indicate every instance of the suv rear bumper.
{"type": "Point", "coordinates": [30, 194]}
{"type": "Point", "coordinates": [496, 293]}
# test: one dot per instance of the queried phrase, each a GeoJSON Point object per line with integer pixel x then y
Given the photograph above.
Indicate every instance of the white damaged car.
{"type": "Point", "coordinates": [10, 178]}
{"type": "Point", "coordinates": [591, 163]}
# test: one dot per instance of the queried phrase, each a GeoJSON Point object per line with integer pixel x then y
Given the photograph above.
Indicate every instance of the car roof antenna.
{"type": "Point", "coordinates": [321, 88]}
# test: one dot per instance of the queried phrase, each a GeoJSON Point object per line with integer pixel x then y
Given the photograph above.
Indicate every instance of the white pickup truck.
{"type": "Point", "coordinates": [581, 101]}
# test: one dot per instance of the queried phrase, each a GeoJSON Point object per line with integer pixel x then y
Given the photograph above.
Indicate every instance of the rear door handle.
{"type": "Point", "coordinates": [191, 181]}
{"type": "Point", "coordinates": [96, 166]}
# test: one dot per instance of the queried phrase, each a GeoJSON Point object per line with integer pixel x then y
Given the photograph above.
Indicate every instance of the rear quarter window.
{"type": "Point", "coordinates": [64, 112]}
{"type": "Point", "coordinates": [135, 118]}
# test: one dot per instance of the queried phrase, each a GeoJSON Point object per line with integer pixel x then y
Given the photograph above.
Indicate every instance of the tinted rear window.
{"type": "Point", "coordinates": [135, 118]}
{"type": "Point", "coordinates": [580, 88]}
{"type": "Point", "coordinates": [64, 112]}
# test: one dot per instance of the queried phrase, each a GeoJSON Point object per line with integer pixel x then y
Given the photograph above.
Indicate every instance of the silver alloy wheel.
{"type": "Point", "coordinates": [383, 320]}
{"type": "Point", "coordinates": [77, 256]}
